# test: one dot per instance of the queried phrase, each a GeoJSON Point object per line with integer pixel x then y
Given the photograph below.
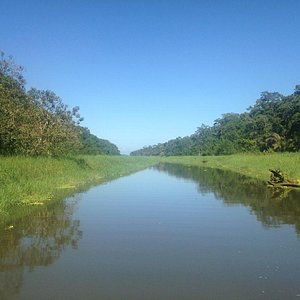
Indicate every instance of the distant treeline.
{"type": "Point", "coordinates": [37, 122]}
{"type": "Point", "coordinates": [272, 124]}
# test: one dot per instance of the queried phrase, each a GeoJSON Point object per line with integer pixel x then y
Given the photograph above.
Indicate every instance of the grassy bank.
{"type": "Point", "coordinates": [34, 181]}
{"type": "Point", "coordinates": [252, 165]}
{"type": "Point", "coordinates": [29, 181]}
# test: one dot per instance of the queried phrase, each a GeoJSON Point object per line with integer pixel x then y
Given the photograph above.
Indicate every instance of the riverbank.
{"type": "Point", "coordinates": [252, 165]}
{"type": "Point", "coordinates": [28, 181]}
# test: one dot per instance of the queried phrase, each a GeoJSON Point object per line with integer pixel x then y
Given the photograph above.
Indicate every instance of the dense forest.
{"type": "Point", "coordinates": [271, 124]}
{"type": "Point", "coordinates": [37, 122]}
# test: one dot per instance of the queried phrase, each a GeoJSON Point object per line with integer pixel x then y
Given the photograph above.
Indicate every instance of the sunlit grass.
{"type": "Point", "coordinates": [252, 165]}
{"type": "Point", "coordinates": [34, 181]}
{"type": "Point", "coordinates": [27, 181]}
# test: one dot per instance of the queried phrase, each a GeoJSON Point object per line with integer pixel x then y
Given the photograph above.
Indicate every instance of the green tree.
{"type": "Point", "coordinates": [37, 122]}
{"type": "Point", "coordinates": [91, 144]}
{"type": "Point", "coordinates": [55, 128]}
{"type": "Point", "coordinates": [12, 103]}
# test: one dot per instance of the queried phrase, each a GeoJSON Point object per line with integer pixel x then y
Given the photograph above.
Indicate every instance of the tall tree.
{"type": "Point", "coordinates": [37, 122]}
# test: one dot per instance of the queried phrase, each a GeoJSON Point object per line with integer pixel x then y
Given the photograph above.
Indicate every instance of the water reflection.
{"type": "Point", "coordinates": [35, 240]}
{"type": "Point", "coordinates": [273, 207]}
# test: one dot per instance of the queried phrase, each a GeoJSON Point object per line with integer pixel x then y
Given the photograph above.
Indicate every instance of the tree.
{"type": "Point", "coordinates": [91, 144]}
{"type": "Point", "coordinates": [297, 89]}
{"type": "Point", "coordinates": [37, 122]}
{"type": "Point", "coordinates": [273, 123]}
{"type": "Point", "coordinates": [55, 125]}
{"type": "Point", "coordinates": [11, 71]}
{"type": "Point", "coordinates": [12, 101]}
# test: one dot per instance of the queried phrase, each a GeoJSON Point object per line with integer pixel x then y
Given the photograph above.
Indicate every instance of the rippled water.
{"type": "Point", "coordinates": [170, 232]}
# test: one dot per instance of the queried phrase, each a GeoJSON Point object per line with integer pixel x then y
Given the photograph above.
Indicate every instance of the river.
{"type": "Point", "coordinates": [168, 232]}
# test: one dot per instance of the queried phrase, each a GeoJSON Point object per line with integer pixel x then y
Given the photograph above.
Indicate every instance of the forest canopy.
{"type": "Point", "coordinates": [37, 122]}
{"type": "Point", "coordinates": [271, 124]}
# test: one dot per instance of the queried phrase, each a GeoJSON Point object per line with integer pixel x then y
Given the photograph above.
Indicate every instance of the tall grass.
{"type": "Point", "coordinates": [33, 181]}
{"type": "Point", "coordinates": [252, 165]}
{"type": "Point", "coordinates": [27, 181]}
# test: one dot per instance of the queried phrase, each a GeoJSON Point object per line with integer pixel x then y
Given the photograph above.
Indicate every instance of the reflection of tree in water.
{"type": "Point", "coordinates": [271, 207]}
{"type": "Point", "coordinates": [35, 240]}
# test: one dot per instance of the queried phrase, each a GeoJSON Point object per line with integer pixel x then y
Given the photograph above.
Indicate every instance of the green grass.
{"type": "Point", "coordinates": [252, 165]}
{"type": "Point", "coordinates": [27, 181]}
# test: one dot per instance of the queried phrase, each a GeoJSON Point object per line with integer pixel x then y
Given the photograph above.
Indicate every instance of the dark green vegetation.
{"type": "Point", "coordinates": [91, 144]}
{"type": "Point", "coordinates": [272, 124]}
{"type": "Point", "coordinates": [36, 180]}
{"type": "Point", "coordinates": [37, 122]}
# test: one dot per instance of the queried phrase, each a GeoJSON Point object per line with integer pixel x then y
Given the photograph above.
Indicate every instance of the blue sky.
{"type": "Point", "coordinates": [143, 72]}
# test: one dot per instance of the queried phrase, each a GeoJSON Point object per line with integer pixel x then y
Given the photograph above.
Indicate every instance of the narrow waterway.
{"type": "Point", "coordinates": [169, 232]}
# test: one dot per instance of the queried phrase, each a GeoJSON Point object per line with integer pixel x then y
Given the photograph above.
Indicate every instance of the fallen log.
{"type": "Point", "coordinates": [282, 184]}
{"type": "Point", "coordinates": [280, 179]}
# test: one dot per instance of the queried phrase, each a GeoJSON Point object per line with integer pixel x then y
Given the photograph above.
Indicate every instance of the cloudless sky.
{"type": "Point", "coordinates": [146, 71]}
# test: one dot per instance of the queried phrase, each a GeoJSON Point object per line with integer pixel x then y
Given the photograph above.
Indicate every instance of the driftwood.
{"type": "Point", "coordinates": [280, 179]}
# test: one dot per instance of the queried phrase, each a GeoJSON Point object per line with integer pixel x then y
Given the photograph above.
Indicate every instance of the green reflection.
{"type": "Point", "coordinates": [273, 207]}
{"type": "Point", "coordinates": [35, 240]}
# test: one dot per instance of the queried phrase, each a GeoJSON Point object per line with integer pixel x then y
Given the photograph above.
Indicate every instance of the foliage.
{"type": "Point", "coordinates": [91, 144]}
{"type": "Point", "coordinates": [37, 122]}
{"type": "Point", "coordinates": [271, 124]}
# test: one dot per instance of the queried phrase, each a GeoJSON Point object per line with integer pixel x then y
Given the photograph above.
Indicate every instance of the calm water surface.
{"type": "Point", "coordinates": [170, 232]}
